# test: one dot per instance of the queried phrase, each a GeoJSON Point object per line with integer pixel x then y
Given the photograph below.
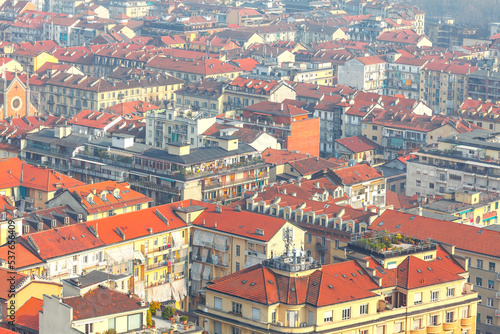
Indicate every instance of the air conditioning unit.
{"type": "Point", "coordinates": [280, 323]}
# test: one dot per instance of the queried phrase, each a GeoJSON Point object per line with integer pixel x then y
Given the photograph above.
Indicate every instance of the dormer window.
{"type": "Point", "coordinates": [26, 229]}
{"type": "Point", "coordinates": [323, 221]}
{"type": "Point", "coordinates": [3, 216]}
{"type": "Point", "coordinates": [261, 208]}
{"type": "Point", "coordinates": [53, 223]}
{"type": "Point", "coordinates": [310, 219]}
{"type": "Point", "coordinates": [274, 211]}
{"type": "Point", "coordinates": [66, 220]}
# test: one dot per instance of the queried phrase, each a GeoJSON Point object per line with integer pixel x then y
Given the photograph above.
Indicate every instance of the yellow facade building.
{"type": "Point", "coordinates": [294, 294]}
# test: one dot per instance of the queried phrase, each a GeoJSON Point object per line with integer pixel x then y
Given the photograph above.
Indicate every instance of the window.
{"type": "Point", "coordinates": [236, 330]}
{"type": "Point", "coordinates": [419, 183]}
{"type": "Point", "coordinates": [236, 308]}
{"type": "Point", "coordinates": [480, 264]}
{"type": "Point", "coordinates": [217, 327]}
{"type": "Point", "coordinates": [237, 250]}
{"type": "Point", "coordinates": [431, 185]}
{"type": "Point", "coordinates": [217, 303]}
{"type": "Point", "coordinates": [491, 265]}
{"type": "Point", "coordinates": [273, 317]}
{"type": "Point", "coordinates": [417, 299]}
{"type": "Point", "coordinates": [346, 313]}
{"type": "Point", "coordinates": [434, 296]}
{"type": "Point", "coordinates": [428, 257]}
{"type": "Point", "coordinates": [398, 327]}
{"type": "Point", "coordinates": [374, 127]}
{"type": "Point", "coordinates": [138, 207]}
{"type": "Point", "coordinates": [74, 269]}
{"type": "Point", "coordinates": [255, 313]}
{"type": "Point", "coordinates": [450, 292]}
{"type": "Point", "coordinates": [328, 317]}
{"type": "Point", "coordinates": [363, 309]}
{"type": "Point", "coordinates": [433, 321]}
{"type": "Point", "coordinates": [374, 138]}
{"type": "Point", "coordinates": [465, 312]}
{"type": "Point", "coordinates": [479, 281]}
{"type": "Point", "coordinates": [489, 302]}
{"type": "Point", "coordinates": [450, 316]}
{"type": "Point", "coordinates": [237, 266]}
{"type": "Point", "coordinates": [491, 284]}
{"type": "Point", "coordinates": [363, 331]}
{"type": "Point", "coordinates": [309, 238]}
{"type": "Point", "coordinates": [89, 328]}
{"type": "Point", "coordinates": [417, 323]}
{"type": "Point", "coordinates": [489, 320]}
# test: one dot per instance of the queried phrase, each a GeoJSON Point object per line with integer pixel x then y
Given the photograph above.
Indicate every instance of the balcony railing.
{"type": "Point", "coordinates": [217, 185]}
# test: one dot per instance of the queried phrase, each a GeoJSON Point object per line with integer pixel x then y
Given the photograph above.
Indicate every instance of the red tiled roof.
{"type": "Point", "coordinates": [357, 144]}
{"type": "Point", "coordinates": [241, 223]}
{"type": "Point", "coordinates": [371, 60]}
{"type": "Point", "coordinates": [465, 237]}
{"type": "Point", "coordinates": [63, 241]}
{"type": "Point", "coordinates": [24, 256]}
{"type": "Point", "coordinates": [280, 157]}
{"type": "Point", "coordinates": [92, 119]}
{"type": "Point", "coordinates": [27, 314]}
{"type": "Point", "coordinates": [131, 107]}
{"type": "Point", "coordinates": [127, 197]}
{"type": "Point", "coordinates": [399, 201]}
{"type": "Point", "coordinates": [5, 275]}
{"type": "Point", "coordinates": [406, 36]}
{"type": "Point", "coordinates": [136, 224]}
{"type": "Point", "coordinates": [357, 174]}
{"type": "Point", "coordinates": [101, 302]}
{"type": "Point", "coordinates": [201, 66]}
{"type": "Point", "coordinates": [246, 64]}
{"type": "Point", "coordinates": [44, 179]}
{"type": "Point", "coordinates": [10, 172]}
{"type": "Point", "coordinates": [311, 165]}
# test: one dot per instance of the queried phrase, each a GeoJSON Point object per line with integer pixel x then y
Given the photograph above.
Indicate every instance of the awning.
{"type": "Point", "coordinates": [207, 270]}
{"type": "Point", "coordinates": [465, 211]}
{"type": "Point", "coordinates": [114, 169]}
{"type": "Point", "coordinates": [121, 254]}
{"type": "Point", "coordinates": [139, 256]}
{"type": "Point", "coordinates": [204, 254]}
{"type": "Point", "coordinates": [177, 238]}
{"type": "Point", "coordinates": [252, 261]}
{"type": "Point", "coordinates": [179, 291]}
{"type": "Point", "coordinates": [203, 238]}
{"type": "Point", "coordinates": [220, 243]}
{"type": "Point", "coordinates": [489, 218]}
{"type": "Point", "coordinates": [196, 271]}
{"type": "Point", "coordinates": [160, 293]}
{"type": "Point", "coordinates": [139, 289]}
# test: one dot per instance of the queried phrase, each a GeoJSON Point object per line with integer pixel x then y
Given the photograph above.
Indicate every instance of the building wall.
{"type": "Point", "coordinates": [56, 317]}
{"type": "Point", "coordinates": [304, 136]}
{"type": "Point", "coordinates": [352, 74]}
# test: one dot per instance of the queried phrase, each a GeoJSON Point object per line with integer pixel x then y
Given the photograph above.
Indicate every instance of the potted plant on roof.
{"type": "Point", "coordinates": [184, 319]}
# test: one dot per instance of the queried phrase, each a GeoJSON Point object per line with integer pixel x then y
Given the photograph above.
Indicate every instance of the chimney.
{"type": "Point", "coordinates": [215, 225]}
{"type": "Point", "coordinates": [420, 211]}
{"type": "Point", "coordinates": [150, 230]}
{"type": "Point", "coordinates": [218, 209]}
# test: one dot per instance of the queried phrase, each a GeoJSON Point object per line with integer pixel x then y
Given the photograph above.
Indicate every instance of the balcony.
{"type": "Point", "coordinates": [435, 329]}
{"type": "Point", "coordinates": [219, 185]}
{"type": "Point", "coordinates": [465, 322]}
{"type": "Point", "coordinates": [450, 326]}
{"type": "Point", "coordinates": [321, 248]}
{"type": "Point", "coordinates": [154, 186]}
{"type": "Point", "coordinates": [418, 331]}
{"type": "Point", "coordinates": [497, 313]}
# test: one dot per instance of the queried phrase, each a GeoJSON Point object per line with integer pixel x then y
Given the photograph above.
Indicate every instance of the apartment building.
{"type": "Point", "coordinates": [130, 8]}
{"type": "Point", "coordinates": [476, 245]}
{"type": "Point", "coordinates": [192, 70]}
{"type": "Point", "coordinates": [364, 73]}
{"type": "Point", "coordinates": [401, 131]}
{"type": "Point", "coordinates": [484, 85]}
{"type": "Point", "coordinates": [445, 86]}
{"type": "Point", "coordinates": [364, 185]}
{"type": "Point", "coordinates": [176, 125]}
{"type": "Point", "coordinates": [468, 160]}
{"type": "Point", "coordinates": [328, 225]}
{"type": "Point", "coordinates": [292, 293]}
{"type": "Point", "coordinates": [242, 92]}
{"type": "Point", "coordinates": [68, 94]}
{"type": "Point", "coordinates": [483, 113]}
{"type": "Point", "coordinates": [206, 97]}
{"type": "Point", "coordinates": [469, 206]}
{"type": "Point", "coordinates": [101, 199]}
{"type": "Point", "coordinates": [220, 247]}
{"type": "Point", "coordinates": [286, 121]}
{"type": "Point", "coordinates": [403, 76]}
{"type": "Point", "coordinates": [358, 148]}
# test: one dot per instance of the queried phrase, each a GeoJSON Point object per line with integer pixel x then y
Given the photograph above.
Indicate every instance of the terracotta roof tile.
{"type": "Point", "coordinates": [357, 174]}
{"type": "Point", "coordinates": [357, 144]}
{"type": "Point", "coordinates": [27, 314]}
